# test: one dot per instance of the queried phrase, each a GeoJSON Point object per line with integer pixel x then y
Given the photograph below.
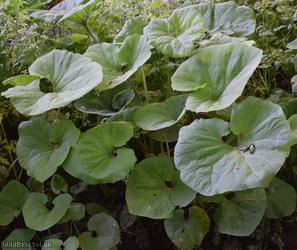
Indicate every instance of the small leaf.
{"type": "Point", "coordinates": [187, 233]}
{"type": "Point", "coordinates": [281, 199]}
{"type": "Point", "coordinates": [105, 103]}
{"type": "Point", "coordinates": [155, 116]}
{"type": "Point", "coordinates": [42, 147]}
{"type": "Point", "coordinates": [154, 189]}
{"type": "Point", "coordinates": [76, 212]}
{"type": "Point", "coordinates": [107, 233]}
{"type": "Point", "coordinates": [58, 184]}
{"type": "Point", "coordinates": [242, 214]}
{"type": "Point", "coordinates": [38, 217]}
{"type": "Point", "coordinates": [100, 156]}
{"type": "Point", "coordinates": [16, 236]}
{"type": "Point", "coordinates": [12, 199]}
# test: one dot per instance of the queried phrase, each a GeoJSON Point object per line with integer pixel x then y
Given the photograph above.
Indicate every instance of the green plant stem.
{"type": "Point", "coordinates": [90, 32]}
{"type": "Point", "coordinates": [144, 86]}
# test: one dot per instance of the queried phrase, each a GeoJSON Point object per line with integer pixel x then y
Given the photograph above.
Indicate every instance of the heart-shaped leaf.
{"type": "Point", "coordinates": [69, 75]}
{"type": "Point", "coordinates": [281, 199]}
{"type": "Point", "coordinates": [131, 27]}
{"type": "Point", "coordinates": [73, 10]}
{"type": "Point", "coordinates": [38, 217]}
{"type": "Point", "coordinates": [100, 156]}
{"type": "Point", "coordinates": [42, 147]}
{"type": "Point", "coordinates": [107, 233]}
{"type": "Point", "coordinates": [176, 36]}
{"type": "Point", "coordinates": [186, 233]}
{"type": "Point", "coordinates": [156, 116]}
{"type": "Point", "coordinates": [241, 214]}
{"type": "Point", "coordinates": [210, 166]}
{"type": "Point", "coordinates": [12, 199]}
{"type": "Point", "coordinates": [154, 189]}
{"type": "Point", "coordinates": [119, 63]}
{"type": "Point", "coordinates": [16, 236]}
{"type": "Point", "coordinates": [217, 75]}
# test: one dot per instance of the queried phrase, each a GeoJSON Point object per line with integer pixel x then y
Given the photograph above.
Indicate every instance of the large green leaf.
{"type": "Point", "coordinates": [154, 189]}
{"type": "Point", "coordinates": [107, 233]}
{"type": "Point", "coordinates": [176, 36]}
{"type": "Point", "coordinates": [71, 76]}
{"type": "Point", "coordinates": [15, 237]}
{"type": "Point", "coordinates": [217, 75]}
{"type": "Point", "coordinates": [156, 116]}
{"type": "Point", "coordinates": [12, 198]}
{"type": "Point", "coordinates": [119, 63]}
{"type": "Point", "coordinates": [210, 166]}
{"type": "Point", "coordinates": [281, 199]}
{"type": "Point", "coordinates": [187, 233]}
{"type": "Point", "coordinates": [100, 156]}
{"type": "Point", "coordinates": [38, 217]}
{"type": "Point", "coordinates": [42, 147]}
{"type": "Point", "coordinates": [241, 214]}
{"type": "Point", "coordinates": [73, 10]}
{"type": "Point", "coordinates": [131, 27]}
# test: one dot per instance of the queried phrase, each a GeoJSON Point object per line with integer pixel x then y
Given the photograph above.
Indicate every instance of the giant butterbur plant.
{"type": "Point", "coordinates": [214, 145]}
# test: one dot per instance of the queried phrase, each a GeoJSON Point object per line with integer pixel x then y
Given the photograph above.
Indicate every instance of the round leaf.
{"type": "Point", "coordinates": [100, 156]}
{"type": "Point", "coordinates": [187, 233]}
{"type": "Point", "coordinates": [210, 166]}
{"type": "Point", "coordinates": [16, 236]}
{"type": "Point", "coordinates": [154, 189]}
{"type": "Point", "coordinates": [42, 147]}
{"type": "Point", "coordinates": [242, 214]}
{"type": "Point", "coordinates": [155, 116]}
{"type": "Point", "coordinates": [217, 75]}
{"type": "Point", "coordinates": [177, 35]}
{"type": "Point", "coordinates": [21, 80]}
{"type": "Point", "coordinates": [281, 199]}
{"type": "Point", "coordinates": [107, 230]}
{"type": "Point", "coordinates": [132, 54]}
{"type": "Point", "coordinates": [36, 214]}
{"type": "Point", "coordinates": [71, 76]}
{"type": "Point", "coordinates": [12, 198]}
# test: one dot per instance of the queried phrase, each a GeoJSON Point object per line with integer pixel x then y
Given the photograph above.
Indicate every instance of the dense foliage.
{"type": "Point", "coordinates": [148, 124]}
